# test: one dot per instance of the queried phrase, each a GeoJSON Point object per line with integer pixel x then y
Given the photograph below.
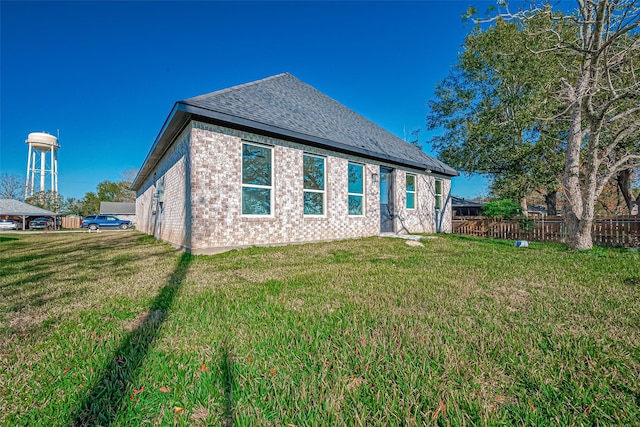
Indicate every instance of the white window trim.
{"type": "Point", "coordinates": [437, 195]}
{"type": "Point", "coordinates": [414, 192]}
{"type": "Point", "coordinates": [324, 185]}
{"type": "Point", "coordinates": [364, 185]}
{"type": "Point", "coordinates": [268, 187]}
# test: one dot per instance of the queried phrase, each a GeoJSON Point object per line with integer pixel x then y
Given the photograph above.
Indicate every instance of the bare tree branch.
{"type": "Point", "coordinates": [11, 187]}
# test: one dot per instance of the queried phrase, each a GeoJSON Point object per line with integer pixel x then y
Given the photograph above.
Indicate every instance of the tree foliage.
{"type": "Point", "coordinates": [73, 206]}
{"type": "Point", "coordinates": [49, 200]}
{"type": "Point", "coordinates": [490, 108]}
{"type": "Point", "coordinates": [106, 191]}
{"type": "Point", "coordinates": [90, 204]}
{"type": "Point", "coordinates": [504, 208]}
{"type": "Point", "coordinates": [582, 106]}
{"type": "Point", "coordinates": [12, 187]}
{"type": "Point", "coordinates": [109, 191]}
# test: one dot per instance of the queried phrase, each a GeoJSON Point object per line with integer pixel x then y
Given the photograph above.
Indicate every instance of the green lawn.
{"type": "Point", "coordinates": [115, 328]}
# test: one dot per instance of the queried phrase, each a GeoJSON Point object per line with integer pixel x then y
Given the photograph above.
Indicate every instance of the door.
{"type": "Point", "coordinates": [386, 200]}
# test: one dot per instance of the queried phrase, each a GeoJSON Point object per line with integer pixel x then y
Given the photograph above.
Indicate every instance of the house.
{"type": "Point", "coordinates": [275, 161]}
{"type": "Point", "coordinates": [121, 210]}
{"type": "Point", "coordinates": [536, 211]}
{"type": "Point", "coordinates": [464, 207]}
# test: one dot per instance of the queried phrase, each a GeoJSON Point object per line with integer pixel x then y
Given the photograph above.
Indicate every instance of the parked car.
{"type": "Point", "coordinates": [8, 224]}
{"type": "Point", "coordinates": [95, 222]}
{"type": "Point", "coordinates": [41, 223]}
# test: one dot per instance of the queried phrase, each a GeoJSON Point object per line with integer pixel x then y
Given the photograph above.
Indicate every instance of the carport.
{"type": "Point", "coordinates": [11, 207]}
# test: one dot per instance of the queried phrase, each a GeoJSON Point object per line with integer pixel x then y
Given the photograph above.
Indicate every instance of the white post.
{"type": "Point", "coordinates": [33, 173]}
{"type": "Point", "coordinates": [53, 187]}
{"type": "Point", "coordinates": [43, 170]}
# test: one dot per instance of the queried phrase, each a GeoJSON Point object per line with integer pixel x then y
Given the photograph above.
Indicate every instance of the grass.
{"type": "Point", "coordinates": [118, 329]}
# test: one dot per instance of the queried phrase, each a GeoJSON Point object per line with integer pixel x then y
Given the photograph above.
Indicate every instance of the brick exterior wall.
{"type": "Point", "coordinates": [171, 220]}
{"type": "Point", "coordinates": [202, 211]}
{"type": "Point", "coordinates": [424, 218]}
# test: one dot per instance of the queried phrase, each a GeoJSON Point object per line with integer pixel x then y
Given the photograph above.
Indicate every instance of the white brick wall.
{"type": "Point", "coordinates": [171, 222]}
{"type": "Point", "coordinates": [422, 219]}
{"type": "Point", "coordinates": [203, 207]}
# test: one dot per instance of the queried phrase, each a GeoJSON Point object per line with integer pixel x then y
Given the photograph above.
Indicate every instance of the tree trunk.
{"type": "Point", "coordinates": [583, 238]}
{"type": "Point", "coordinates": [578, 207]}
{"type": "Point", "coordinates": [579, 232]}
{"type": "Point", "coordinates": [551, 199]}
{"type": "Point", "coordinates": [524, 206]}
{"type": "Point", "coordinates": [624, 184]}
{"type": "Point", "coordinates": [573, 206]}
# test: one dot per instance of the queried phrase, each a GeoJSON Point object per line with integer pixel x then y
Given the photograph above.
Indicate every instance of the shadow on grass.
{"type": "Point", "coordinates": [104, 400]}
{"type": "Point", "coordinates": [632, 281]}
{"type": "Point", "coordinates": [226, 366]}
{"type": "Point", "coordinates": [45, 272]}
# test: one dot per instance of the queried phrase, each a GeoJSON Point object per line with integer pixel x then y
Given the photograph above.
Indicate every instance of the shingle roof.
{"type": "Point", "coordinates": [118, 208]}
{"type": "Point", "coordinates": [284, 102]}
{"type": "Point", "coordinates": [18, 208]}
{"type": "Point", "coordinates": [461, 201]}
{"type": "Point", "coordinates": [284, 106]}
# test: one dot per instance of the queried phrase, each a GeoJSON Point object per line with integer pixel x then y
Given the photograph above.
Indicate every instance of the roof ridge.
{"type": "Point", "coordinates": [283, 104]}
{"type": "Point", "coordinates": [240, 86]}
{"type": "Point", "coordinates": [287, 74]}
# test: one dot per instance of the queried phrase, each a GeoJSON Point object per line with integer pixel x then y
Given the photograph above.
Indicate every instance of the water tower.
{"type": "Point", "coordinates": [41, 146]}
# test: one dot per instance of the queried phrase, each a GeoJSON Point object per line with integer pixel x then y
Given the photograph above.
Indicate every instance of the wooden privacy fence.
{"type": "Point", "coordinates": [622, 231]}
{"type": "Point", "coordinates": [70, 222]}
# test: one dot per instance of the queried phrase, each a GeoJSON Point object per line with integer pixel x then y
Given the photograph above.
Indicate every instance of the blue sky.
{"type": "Point", "coordinates": [106, 74]}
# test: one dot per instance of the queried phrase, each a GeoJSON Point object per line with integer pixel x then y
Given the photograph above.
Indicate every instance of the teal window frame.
{"type": "Point", "coordinates": [353, 192]}
{"type": "Point", "coordinates": [438, 194]}
{"type": "Point", "coordinates": [410, 189]}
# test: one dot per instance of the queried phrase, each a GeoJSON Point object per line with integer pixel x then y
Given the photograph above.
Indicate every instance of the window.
{"type": "Point", "coordinates": [411, 191]}
{"type": "Point", "coordinates": [438, 194]}
{"type": "Point", "coordinates": [257, 179]}
{"type": "Point", "coordinates": [314, 184]}
{"type": "Point", "coordinates": [356, 189]}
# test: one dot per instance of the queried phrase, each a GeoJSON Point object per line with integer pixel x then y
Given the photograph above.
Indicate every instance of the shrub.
{"type": "Point", "coordinates": [505, 208]}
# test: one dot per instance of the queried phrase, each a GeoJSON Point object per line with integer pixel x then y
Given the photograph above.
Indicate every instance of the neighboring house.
{"type": "Point", "coordinates": [537, 211]}
{"type": "Point", "coordinates": [464, 207]}
{"type": "Point", "coordinates": [121, 210]}
{"type": "Point", "coordinates": [275, 161]}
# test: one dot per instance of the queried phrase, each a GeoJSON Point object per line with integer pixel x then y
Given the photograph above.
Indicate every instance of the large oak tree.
{"type": "Point", "coordinates": [590, 99]}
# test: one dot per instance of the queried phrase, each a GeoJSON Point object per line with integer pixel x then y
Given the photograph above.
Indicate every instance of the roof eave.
{"type": "Point", "coordinates": [173, 125]}
{"type": "Point", "coordinates": [183, 112]}
{"type": "Point", "coordinates": [305, 139]}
